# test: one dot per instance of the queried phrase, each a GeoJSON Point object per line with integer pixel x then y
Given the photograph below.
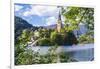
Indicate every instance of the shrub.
{"type": "Point", "coordinates": [24, 58]}
{"type": "Point", "coordinates": [64, 57]}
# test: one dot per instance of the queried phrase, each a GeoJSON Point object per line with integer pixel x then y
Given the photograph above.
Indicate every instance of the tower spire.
{"type": "Point", "coordinates": [59, 21]}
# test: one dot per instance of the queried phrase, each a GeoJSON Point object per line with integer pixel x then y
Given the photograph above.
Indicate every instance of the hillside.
{"type": "Point", "coordinates": [20, 25]}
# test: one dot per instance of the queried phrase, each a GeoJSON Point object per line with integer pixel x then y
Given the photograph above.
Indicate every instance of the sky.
{"type": "Point", "coordinates": [37, 15]}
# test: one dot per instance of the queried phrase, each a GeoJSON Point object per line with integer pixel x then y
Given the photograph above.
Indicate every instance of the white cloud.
{"type": "Point", "coordinates": [51, 20]}
{"type": "Point", "coordinates": [41, 10]}
{"type": "Point", "coordinates": [27, 13]}
{"type": "Point", "coordinates": [50, 11]}
{"type": "Point", "coordinates": [18, 7]}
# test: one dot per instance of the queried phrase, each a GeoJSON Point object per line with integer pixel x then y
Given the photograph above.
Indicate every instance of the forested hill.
{"type": "Point", "coordinates": [20, 25]}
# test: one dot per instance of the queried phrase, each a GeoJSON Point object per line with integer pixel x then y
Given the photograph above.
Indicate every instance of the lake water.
{"type": "Point", "coordinates": [81, 52]}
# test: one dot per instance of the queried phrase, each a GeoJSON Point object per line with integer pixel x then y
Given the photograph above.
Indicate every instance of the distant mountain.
{"type": "Point", "coordinates": [51, 26]}
{"type": "Point", "coordinates": [21, 24]}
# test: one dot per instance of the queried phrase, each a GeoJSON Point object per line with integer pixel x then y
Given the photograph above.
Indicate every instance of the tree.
{"type": "Point", "coordinates": [56, 38]}
{"type": "Point", "coordinates": [76, 15]}
{"type": "Point", "coordinates": [44, 42]}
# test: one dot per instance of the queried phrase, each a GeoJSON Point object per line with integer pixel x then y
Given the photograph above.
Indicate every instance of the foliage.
{"type": "Point", "coordinates": [85, 38]}
{"type": "Point", "coordinates": [44, 42]}
{"type": "Point", "coordinates": [52, 54]}
{"type": "Point", "coordinates": [69, 38]}
{"type": "Point", "coordinates": [28, 56]}
{"type": "Point", "coordinates": [44, 33]}
{"type": "Point", "coordinates": [65, 57]}
{"type": "Point", "coordinates": [63, 38]}
{"type": "Point", "coordinates": [25, 37]}
{"type": "Point", "coordinates": [75, 15]}
{"type": "Point", "coordinates": [22, 54]}
{"type": "Point", "coordinates": [24, 58]}
{"type": "Point", "coordinates": [56, 38]}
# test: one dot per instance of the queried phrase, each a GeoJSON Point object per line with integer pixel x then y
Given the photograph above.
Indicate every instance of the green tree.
{"type": "Point", "coordinates": [75, 15]}
{"type": "Point", "coordinates": [24, 58]}
{"type": "Point", "coordinates": [56, 38]}
{"type": "Point", "coordinates": [86, 38]}
{"type": "Point", "coordinates": [69, 38]}
{"type": "Point", "coordinates": [22, 54]}
{"type": "Point", "coordinates": [44, 42]}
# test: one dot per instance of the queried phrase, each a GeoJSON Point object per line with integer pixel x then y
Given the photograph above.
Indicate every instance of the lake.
{"type": "Point", "coordinates": [81, 52]}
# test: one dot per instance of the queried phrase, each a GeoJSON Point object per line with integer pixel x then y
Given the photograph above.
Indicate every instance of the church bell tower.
{"type": "Point", "coordinates": [59, 21]}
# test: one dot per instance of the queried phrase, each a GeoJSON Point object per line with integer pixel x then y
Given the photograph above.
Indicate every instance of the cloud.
{"type": "Point", "coordinates": [18, 7]}
{"type": "Point", "coordinates": [51, 20]}
{"type": "Point", "coordinates": [50, 11]}
{"type": "Point", "coordinates": [41, 10]}
{"type": "Point", "coordinates": [27, 13]}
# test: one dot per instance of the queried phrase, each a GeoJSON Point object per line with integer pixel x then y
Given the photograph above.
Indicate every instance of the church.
{"type": "Point", "coordinates": [59, 21]}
